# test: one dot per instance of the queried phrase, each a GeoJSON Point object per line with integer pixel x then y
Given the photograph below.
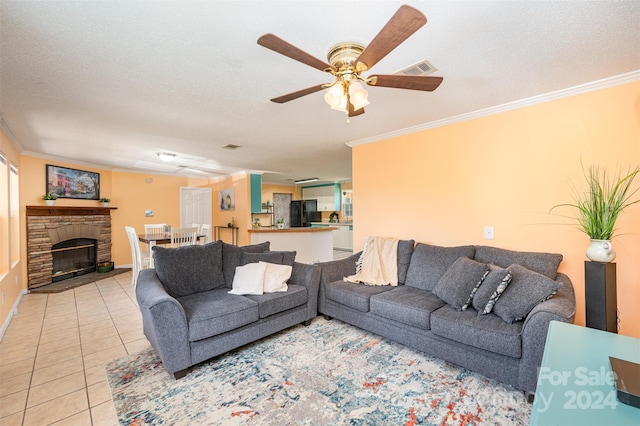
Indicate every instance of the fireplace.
{"type": "Point", "coordinates": [66, 241]}
{"type": "Point", "coordinates": [72, 258]}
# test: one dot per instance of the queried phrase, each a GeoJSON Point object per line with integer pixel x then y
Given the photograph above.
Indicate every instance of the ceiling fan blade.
{"type": "Point", "coordinates": [277, 44]}
{"type": "Point", "coordinates": [406, 21]}
{"type": "Point", "coordinates": [295, 95]}
{"type": "Point", "coordinates": [413, 82]}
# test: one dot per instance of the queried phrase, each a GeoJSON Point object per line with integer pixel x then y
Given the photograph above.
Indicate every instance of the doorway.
{"type": "Point", "coordinates": [195, 206]}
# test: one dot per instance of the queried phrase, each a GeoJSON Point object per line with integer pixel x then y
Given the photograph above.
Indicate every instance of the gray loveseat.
{"type": "Point", "coordinates": [498, 344]}
{"type": "Point", "coordinates": [188, 315]}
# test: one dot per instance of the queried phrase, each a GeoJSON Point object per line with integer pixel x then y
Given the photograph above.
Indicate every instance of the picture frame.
{"type": "Point", "coordinates": [226, 199]}
{"type": "Point", "coordinates": [72, 183]}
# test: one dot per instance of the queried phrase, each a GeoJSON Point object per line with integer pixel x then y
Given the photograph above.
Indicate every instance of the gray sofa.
{"type": "Point", "coordinates": [188, 315]}
{"type": "Point", "coordinates": [497, 344]}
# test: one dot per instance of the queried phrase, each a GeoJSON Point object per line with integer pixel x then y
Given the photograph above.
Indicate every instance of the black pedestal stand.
{"type": "Point", "coordinates": [600, 296]}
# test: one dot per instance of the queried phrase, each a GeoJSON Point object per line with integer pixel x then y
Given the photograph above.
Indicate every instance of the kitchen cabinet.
{"type": "Point", "coordinates": [342, 236]}
{"type": "Point", "coordinates": [328, 196]}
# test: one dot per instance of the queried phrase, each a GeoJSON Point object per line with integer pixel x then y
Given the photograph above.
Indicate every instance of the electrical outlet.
{"type": "Point", "coordinates": [488, 233]}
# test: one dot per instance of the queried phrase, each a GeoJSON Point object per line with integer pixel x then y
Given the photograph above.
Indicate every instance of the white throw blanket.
{"type": "Point", "coordinates": [378, 263]}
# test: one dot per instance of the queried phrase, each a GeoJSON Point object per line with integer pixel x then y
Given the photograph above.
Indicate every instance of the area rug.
{"type": "Point", "coordinates": [329, 373]}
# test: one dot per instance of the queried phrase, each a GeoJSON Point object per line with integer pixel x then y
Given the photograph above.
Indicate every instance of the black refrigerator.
{"type": "Point", "coordinates": [304, 212]}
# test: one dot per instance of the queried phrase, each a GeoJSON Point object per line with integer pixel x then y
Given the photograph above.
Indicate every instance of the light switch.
{"type": "Point", "coordinates": [488, 233]}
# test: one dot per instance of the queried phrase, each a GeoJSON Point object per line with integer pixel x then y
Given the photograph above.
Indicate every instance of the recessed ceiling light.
{"type": "Point", "coordinates": [166, 156]}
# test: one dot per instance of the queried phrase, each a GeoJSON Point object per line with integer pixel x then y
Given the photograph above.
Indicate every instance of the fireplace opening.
{"type": "Point", "coordinates": [73, 257]}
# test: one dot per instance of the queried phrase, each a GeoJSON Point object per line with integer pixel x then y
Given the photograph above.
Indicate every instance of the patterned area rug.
{"type": "Point", "coordinates": [323, 374]}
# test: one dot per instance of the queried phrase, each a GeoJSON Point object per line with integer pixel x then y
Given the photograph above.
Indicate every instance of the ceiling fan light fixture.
{"type": "Point", "coordinates": [336, 97]}
{"type": "Point", "coordinates": [358, 95]}
{"type": "Point", "coordinates": [167, 157]}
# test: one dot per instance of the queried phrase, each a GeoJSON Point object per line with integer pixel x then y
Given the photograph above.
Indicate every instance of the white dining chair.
{"type": "Point", "coordinates": [183, 236]}
{"type": "Point", "coordinates": [205, 230]}
{"type": "Point", "coordinates": [139, 261]}
{"type": "Point", "coordinates": [154, 228]}
{"type": "Point", "coordinates": [198, 227]}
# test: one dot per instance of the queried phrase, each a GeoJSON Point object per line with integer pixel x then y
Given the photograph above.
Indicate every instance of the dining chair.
{"type": "Point", "coordinates": [183, 236]}
{"type": "Point", "coordinates": [154, 228]}
{"type": "Point", "coordinates": [205, 230]}
{"type": "Point", "coordinates": [139, 261]}
{"type": "Point", "coordinates": [198, 227]}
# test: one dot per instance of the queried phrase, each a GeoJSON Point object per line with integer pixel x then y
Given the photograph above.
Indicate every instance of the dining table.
{"type": "Point", "coordinates": [152, 239]}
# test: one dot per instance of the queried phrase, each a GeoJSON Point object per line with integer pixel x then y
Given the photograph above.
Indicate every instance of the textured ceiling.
{"type": "Point", "coordinates": [110, 84]}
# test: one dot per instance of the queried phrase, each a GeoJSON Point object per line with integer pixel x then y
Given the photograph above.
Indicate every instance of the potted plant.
{"type": "Point", "coordinates": [50, 198]}
{"type": "Point", "coordinates": [280, 223]}
{"type": "Point", "coordinates": [600, 205]}
{"type": "Point", "coordinates": [105, 202]}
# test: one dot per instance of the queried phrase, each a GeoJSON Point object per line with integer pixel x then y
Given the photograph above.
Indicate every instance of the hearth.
{"type": "Point", "coordinates": [73, 257]}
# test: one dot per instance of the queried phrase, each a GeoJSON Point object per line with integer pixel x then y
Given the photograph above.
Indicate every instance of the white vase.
{"type": "Point", "coordinates": [50, 202]}
{"type": "Point", "coordinates": [105, 204]}
{"type": "Point", "coordinates": [601, 251]}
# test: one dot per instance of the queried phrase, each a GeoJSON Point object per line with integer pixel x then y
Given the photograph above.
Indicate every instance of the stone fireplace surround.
{"type": "Point", "coordinates": [48, 225]}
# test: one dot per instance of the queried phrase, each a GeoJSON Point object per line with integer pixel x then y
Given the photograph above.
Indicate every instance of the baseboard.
{"type": "Point", "coordinates": [12, 313]}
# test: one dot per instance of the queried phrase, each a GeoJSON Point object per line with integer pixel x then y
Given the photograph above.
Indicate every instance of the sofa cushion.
{"type": "Point", "coordinates": [408, 305]}
{"type": "Point", "coordinates": [249, 279]}
{"type": "Point", "coordinates": [232, 257]}
{"type": "Point", "coordinates": [457, 284]}
{"type": "Point", "coordinates": [526, 290]}
{"type": "Point", "coordinates": [353, 295]}
{"type": "Point", "coordinates": [215, 312]}
{"type": "Point", "coordinates": [405, 250]}
{"type": "Point", "coordinates": [542, 263]}
{"type": "Point", "coordinates": [189, 269]}
{"type": "Point", "coordinates": [278, 257]}
{"type": "Point", "coordinates": [429, 263]}
{"type": "Point", "coordinates": [481, 331]}
{"type": "Point", "coordinates": [273, 303]}
{"type": "Point", "coordinates": [490, 290]}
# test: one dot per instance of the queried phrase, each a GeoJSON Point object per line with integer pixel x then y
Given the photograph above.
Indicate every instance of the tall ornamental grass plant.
{"type": "Point", "coordinates": [605, 198]}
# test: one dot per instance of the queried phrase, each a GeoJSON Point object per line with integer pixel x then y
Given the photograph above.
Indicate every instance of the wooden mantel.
{"type": "Point", "coordinates": [68, 211]}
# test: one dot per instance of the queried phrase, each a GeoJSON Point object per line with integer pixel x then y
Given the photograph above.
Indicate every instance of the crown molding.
{"type": "Point", "coordinates": [534, 100]}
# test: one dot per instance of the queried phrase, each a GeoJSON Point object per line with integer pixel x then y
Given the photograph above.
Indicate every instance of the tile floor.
{"type": "Point", "coordinates": [53, 353]}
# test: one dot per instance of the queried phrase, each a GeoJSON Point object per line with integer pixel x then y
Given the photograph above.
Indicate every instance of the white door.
{"type": "Point", "coordinates": [195, 206]}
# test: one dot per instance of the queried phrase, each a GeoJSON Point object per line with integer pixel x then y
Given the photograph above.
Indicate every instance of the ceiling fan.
{"type": "Point", "coordinates": [347, 62]}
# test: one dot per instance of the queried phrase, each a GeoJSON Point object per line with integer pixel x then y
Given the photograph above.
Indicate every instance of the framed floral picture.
{"type": "Point", "coordinates": [73, 183]}
{"type": "Point", "coordinates": [226, 199]}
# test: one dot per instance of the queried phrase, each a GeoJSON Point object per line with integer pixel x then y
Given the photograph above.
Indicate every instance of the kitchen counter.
{"type": "Point", "coordinates": [311, 244]}
{"type": "Point", "coordinates": [298, 229]}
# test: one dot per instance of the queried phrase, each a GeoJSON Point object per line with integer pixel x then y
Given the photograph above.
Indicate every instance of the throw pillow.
{"type": "Point", "coordinates": [496, 294]}
{"type": "Point", "coordinates": [232, 257]}
{"type": "Point", "coordinates": [542, 263]}
{"type": "Point", "coordinates": [456, 285]}
{"type": "Point", "coordinates": [526, 290]}
{"type": "Point", "coordinates": [249, 279]}
{"type": "Point", "coordinates": [405, 249]}
{"type": "Point", "coordinates": [267, 256]}
{"type": "Point", "coordinates": [496, 278]}
{"type": "Point", "coordinates": [429, 263]}
{"type": "Point", "coordinates": [189, 269]}
{"type": "Point", "coordinates": [276, 277]}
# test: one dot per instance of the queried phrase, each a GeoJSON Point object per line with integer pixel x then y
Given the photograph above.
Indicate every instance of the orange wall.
{"type": "Point", "coordinates": [443, 185]}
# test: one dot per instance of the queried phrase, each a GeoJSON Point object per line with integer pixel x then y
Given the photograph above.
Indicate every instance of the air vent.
{"type": "Point", "coordinates": [231, 146]}
{"type": "Point", "coordinates": [421, 68]}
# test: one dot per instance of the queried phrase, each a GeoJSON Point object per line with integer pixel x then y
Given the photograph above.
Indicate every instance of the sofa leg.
{"type": "Point", "coordinates": [327, 317]}
{"type": "Point", "coordinates": [530, 397]}
{"type": "Point", "coordinates": [307, 323]}
{"type": "Point", "coordinates": [180, 374]}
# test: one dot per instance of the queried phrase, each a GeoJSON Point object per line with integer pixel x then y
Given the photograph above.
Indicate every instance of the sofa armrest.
{"type": "Point", "coordinates": [336, 270]}
{"type": "Point", "coordinates": [561, 307]}
{"type": "Point", "coordinates": [308, 276]}
{"type": "Point", "coordinates": [164, 322]}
